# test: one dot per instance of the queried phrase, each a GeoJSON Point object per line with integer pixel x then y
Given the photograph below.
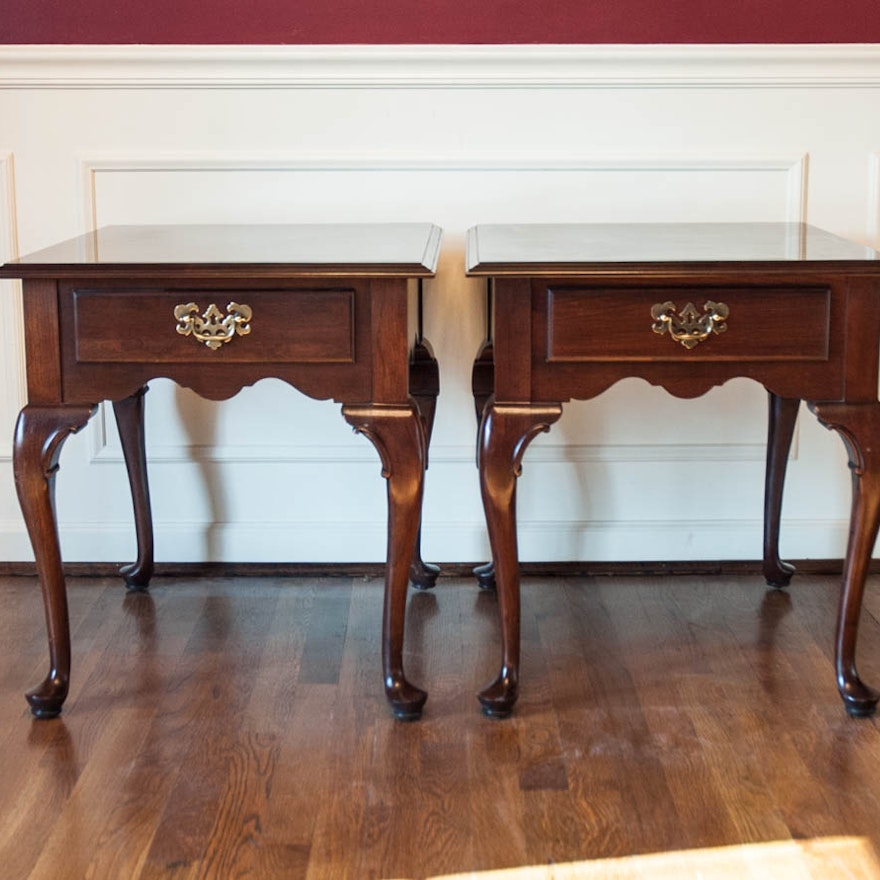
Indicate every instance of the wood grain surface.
{"type": "Point", "coordinates": [233, 727]}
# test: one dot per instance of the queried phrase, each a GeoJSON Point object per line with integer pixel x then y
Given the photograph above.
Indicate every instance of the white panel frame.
{"type": "Point", "coordinates": [874, 199]}
{"type": "Point", "coordinates": [12, 363]}
{"type": "Point", "coordinates": [794, 167]}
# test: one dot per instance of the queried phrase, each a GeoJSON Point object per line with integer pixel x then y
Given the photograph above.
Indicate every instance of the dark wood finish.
{"type": "Point", "coordinates": [129, 414]}
{"type": "Point", "coordinates": [781, 423]}
{"type": "Point", "coordinates": [39, 437]}
{"type": "Point", "coordinates": [226, 727]}
{"type": "Point", "coordinates": [505, 433]}
{"type": "Point", "coordinates": [330, 315]}
{"type": "Point", "coordinates": [483, 386]}
{"type": "Point", "coordinates": [859, 427]}
{"type": "Point", "coordinates": [331, 250]}
{"type": "Point", "coordinates": [576, 568]}
{"type": "Point", "coordinates": [581, 329]}
{"type": "Point", "coordinates": [483, 378]}
{"type": "Point", "coordinates": [623, 249]}
{"type": "Point", "coordinates": [574, 313]}
{"type": "Point", "coordinates": [43, 356]}
{"type": "Point", "coordinates": [398, 436]}
{"type": "Point", "coordinates": [821, 361]}
{"type": "Point", "coordinates": [424, 385]}
{"type": "Point", "coordinates": [323, 333]}
{"type": "Point", "coordinates": [782, 417]}
{"type": "Point", "coordinates": [322, 368]}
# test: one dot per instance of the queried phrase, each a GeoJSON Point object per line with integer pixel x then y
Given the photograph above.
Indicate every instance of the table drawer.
{"type": "Point", "coordinates": [202, 326]}
{"type": "Point", "coordinates": [681, 324]}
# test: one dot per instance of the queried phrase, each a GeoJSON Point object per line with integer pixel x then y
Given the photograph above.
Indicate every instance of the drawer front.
{"type": "Point", "coordinates": [303, 326]}
{"type": "Point", "coordinates": [682, 324]}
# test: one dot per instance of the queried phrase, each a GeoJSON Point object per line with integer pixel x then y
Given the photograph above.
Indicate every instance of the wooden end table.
{"type": "Point", "coordinates": [331, 309]}
{"type": "Point", "coordinates": [576, 307]}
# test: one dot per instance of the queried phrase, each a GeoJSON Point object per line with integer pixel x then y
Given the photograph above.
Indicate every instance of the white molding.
{"type": "Point", "coordinates": [795, 166]}
{"type": "Point", "coordinates": [671, 540]}
{"type": "Point", "coordinates": [364, 541]}
{"type": "Point", "coordinates": [874, 199]}
{"type": "Point", "coordinates": [9, 242]}
{"type": "Point", "coordinates": [13, 371]}
{"type": "Point", "coordinates": [797, 187]}
{"type": "Point", "coordinates": [327, 454]}
{"type": "Point", "coordinates": [521, 66]}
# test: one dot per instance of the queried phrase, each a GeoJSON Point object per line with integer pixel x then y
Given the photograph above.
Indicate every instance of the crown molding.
{"type": "Point", "coordinates": [429, 66]}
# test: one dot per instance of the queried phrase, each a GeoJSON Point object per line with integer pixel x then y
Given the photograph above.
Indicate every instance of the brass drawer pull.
{"type": "Point", "coordinates": [689, 327]}
{"type": "Point", "coordinates": [212, 327]}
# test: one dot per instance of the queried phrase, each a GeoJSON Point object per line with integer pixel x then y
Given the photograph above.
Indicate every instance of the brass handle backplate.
{"type": "Point", "coordinates": [689, 327]}
{"type": "Point", "coordinates": [212, 327]}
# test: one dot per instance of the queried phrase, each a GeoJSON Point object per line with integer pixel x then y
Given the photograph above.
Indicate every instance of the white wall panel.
{"type": "Point", "coordinates": [12, 376]}
{"type": "Point", "coordinates": [874, 197]}
{"type": "Point", "coordinates": [12, 383]}
{"type": "Point", "coordinates": [456, 137]}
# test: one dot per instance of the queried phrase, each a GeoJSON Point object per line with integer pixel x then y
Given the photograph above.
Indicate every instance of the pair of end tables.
{"type": "Point", "coordinates": [334, 310]}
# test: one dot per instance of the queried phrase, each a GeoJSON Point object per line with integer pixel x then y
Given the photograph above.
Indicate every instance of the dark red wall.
{"type": "Point", "coordinates": [439, 21]}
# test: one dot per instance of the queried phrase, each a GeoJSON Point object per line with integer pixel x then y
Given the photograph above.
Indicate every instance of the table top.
{"type": "Point", "coordinates": [373, 249]}
{"type": "Point", "coordinates": [529, 249]}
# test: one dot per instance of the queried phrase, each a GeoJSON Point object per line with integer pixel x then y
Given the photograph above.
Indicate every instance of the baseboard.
{"type": "Point", "coordinates": [743, 567]}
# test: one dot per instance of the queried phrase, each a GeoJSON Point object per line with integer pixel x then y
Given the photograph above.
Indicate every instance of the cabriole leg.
{"type": "Point", "coordinates": [396, 432]}
{"type": "Point", "coordinates": [130, 422]}
{"type": "Point", "coordinates": [782, 417]}
{"type": "Point", "coordinates": [859, 426]}
{"type": "Point", "coordinates": [505, 433]}
{"type": "Point", "coordinates": [424, 383]}
{"type": "Point", "coordinates": [482, 387]}
{"type": "Point", "coordinates": [39, 436]}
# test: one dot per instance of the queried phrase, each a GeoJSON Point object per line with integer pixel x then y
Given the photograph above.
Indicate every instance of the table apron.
{"type": "Point", "coordinates": [561, 382]}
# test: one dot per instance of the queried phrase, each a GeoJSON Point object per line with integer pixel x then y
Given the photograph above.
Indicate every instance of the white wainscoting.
{"type": "Point", "coordinates": [12, 376]}
{"type": "Point", "coordinates": [457, 136]}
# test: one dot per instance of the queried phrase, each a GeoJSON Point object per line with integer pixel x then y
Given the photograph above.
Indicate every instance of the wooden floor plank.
{"type": "Point", "coordinates": [110, 841]}
{"type": "Point", "coordinates": [237, 727]}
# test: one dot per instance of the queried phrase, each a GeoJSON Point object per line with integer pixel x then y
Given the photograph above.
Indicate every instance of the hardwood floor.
{"type": "Point", "coordinates": [236, 727]}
